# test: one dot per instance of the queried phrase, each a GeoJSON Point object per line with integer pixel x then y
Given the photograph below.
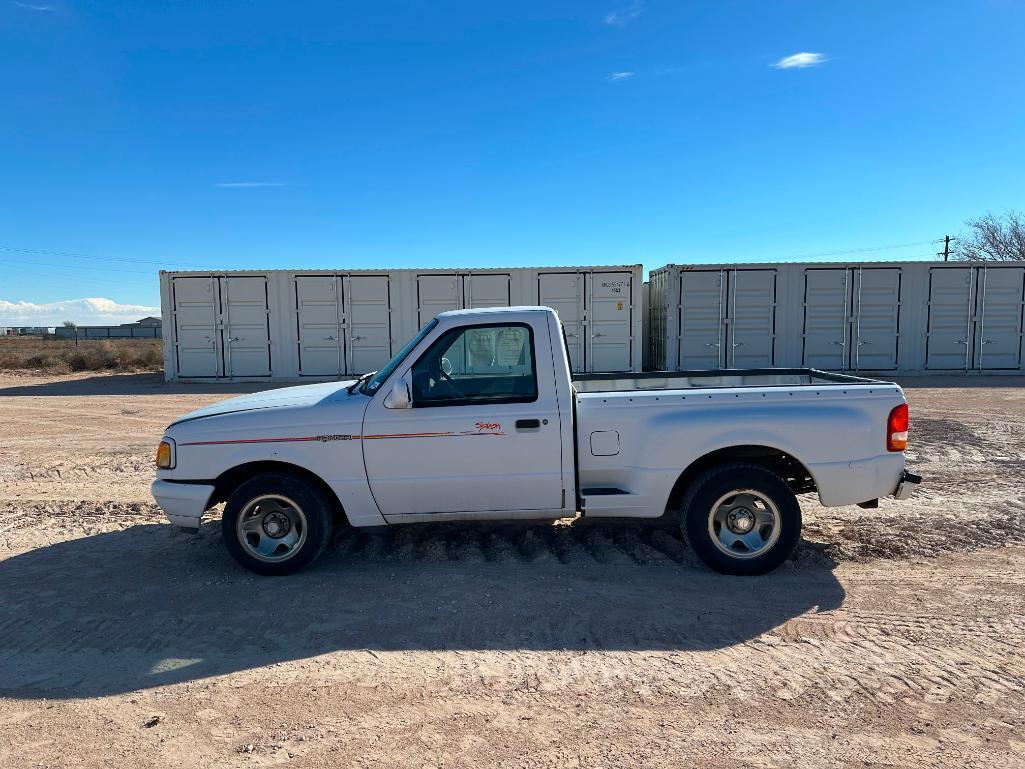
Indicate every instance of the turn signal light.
{"type": "Point", "coordinates": [897, 428]}
{"type": "Point", "coordinates": [164, 456]}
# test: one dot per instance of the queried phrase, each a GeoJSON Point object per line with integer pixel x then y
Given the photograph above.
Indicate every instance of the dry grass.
{"type": "Point", "coordinates": [63, 356]}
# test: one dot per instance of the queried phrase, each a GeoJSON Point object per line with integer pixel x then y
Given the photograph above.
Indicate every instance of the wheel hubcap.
{"type": "Point", "coordinates": [740, 520]}
{"type": "Point", "coordinates": [271, 528]}
{"type": "Point", "coordinates": [744, 523]}
{"type": "Point", "coordinates": [276, 525]}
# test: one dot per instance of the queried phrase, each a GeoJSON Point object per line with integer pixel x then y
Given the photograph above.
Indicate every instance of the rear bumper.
{"type": "Point", "coordinates": [908, 483]}
{"type": "Point", "coordinates": [848, 483]}
{"type": "Point", "coordinates": [183, 503]}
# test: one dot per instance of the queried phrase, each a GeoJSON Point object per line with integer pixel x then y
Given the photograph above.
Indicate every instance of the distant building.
{"type": "Point", "coordinates": [27, 331]}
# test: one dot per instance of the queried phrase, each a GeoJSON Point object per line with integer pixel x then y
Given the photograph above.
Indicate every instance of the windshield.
{"type": "Point", "coordinates": [370, 386]}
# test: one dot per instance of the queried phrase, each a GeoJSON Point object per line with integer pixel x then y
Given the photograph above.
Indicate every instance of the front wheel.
{"type": "Point", "coordinates": [741, 519]}
{"type": "Point", "coordinates": [276, 524]}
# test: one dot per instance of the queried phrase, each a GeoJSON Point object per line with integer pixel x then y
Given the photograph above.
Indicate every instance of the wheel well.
{"type": "Point", "coordinates": [787, 467]}
{"type": "Point", "coordinates": [231, 479]}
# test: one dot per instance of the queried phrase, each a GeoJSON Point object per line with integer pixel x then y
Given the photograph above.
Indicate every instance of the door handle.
{"type": "Point", "coordinates": [528, 424]}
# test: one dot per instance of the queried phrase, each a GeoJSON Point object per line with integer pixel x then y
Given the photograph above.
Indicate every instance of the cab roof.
{"type": "Point", "coordinates": [492, 311]}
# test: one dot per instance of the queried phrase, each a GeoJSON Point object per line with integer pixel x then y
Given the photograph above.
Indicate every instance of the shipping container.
{"type": "Point", "coordinates": [305, 325]}
{"type": "Point", "coordinates": [878, 317]}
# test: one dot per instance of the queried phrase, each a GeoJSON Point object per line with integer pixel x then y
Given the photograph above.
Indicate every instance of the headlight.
{"type": "Point", "coordinates": [165, 454]}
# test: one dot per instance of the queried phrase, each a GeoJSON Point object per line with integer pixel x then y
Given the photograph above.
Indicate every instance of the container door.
{"type": "Point", "coordinates": [486, 290]}
{"type": "Point", "coordinates": [609, 321]}
{"type": "Point", "coordinates": [702, 310]}
{"type": "Point", "coordinates": [369, 322]}
{"type": "Point", "coordinates": [876, 319]}
{"type": "Point", "coordinates": [246, 327]}
{"type": "Point", "coordinates": [438, 293]}
{"type": "Point", "coordinates": [998, 314]}
{"type": "Point", "coordinates": [564, 293]}
{"type": "Point", "coordinates": [196, 334]}
{"type": "Point", "coordinates": [319, 312]}
{"type": "Point", "coordinates": [752, 318]}
{"type": "Point", "coordinates": [826, 319]}
{"type": "Point", "coordinates": [950, 313]}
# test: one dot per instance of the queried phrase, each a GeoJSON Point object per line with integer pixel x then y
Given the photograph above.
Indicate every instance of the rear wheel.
{"type": "Point", "coordinates": [741, 519]}
{"type": "Point", "coordinates": [276, 524]}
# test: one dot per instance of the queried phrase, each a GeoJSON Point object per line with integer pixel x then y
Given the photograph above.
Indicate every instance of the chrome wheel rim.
{"type": "Point", "coordinates": [744, 523]}
{"type": "Point", "coordinates": [271, 528]}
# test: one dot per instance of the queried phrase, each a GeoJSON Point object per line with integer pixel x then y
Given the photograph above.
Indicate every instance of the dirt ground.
{"type": "Point", "coordinates": [893, 638]}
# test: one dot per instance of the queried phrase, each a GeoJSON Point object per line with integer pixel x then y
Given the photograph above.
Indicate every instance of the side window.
{"type": "Point", "coordinates": [478, 364]}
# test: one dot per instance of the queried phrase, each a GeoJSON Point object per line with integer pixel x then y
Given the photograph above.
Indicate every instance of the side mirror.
{"type": "Point", "coordinates": [399, 397]}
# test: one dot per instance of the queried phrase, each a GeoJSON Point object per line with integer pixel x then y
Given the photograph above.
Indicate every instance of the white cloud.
{"type": "Point", "coordinates": [252, 184]}
{"type": "Point", "coordinates": [615, 77]}
{"type": "Point", "coordinates": [39, 8]}
{"type": "Point", "coordinates": [93, 311]}
{"type": "Point", "coordinates": [624, 16]}
{"type": "Point", "coordinates": [800, 60]}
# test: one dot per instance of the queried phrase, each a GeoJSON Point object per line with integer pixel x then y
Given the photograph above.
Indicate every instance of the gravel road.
{"type": "Point", "coordinates": [892, 638]}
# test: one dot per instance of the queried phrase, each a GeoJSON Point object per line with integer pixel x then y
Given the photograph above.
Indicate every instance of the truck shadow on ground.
{"type": "Point", "coordinates": [149, 605]}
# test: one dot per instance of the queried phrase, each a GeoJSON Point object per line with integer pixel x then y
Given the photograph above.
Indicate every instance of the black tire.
{"type": "Point", "coordinates": [700, 525]}
{"type": "Point", "coordinates": [311, 527]}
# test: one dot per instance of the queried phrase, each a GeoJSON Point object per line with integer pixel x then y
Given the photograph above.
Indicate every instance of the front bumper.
{"type": "Point", "coordinates": [908, 483]}
{"type": "Point", "coordinates": [184, 503]}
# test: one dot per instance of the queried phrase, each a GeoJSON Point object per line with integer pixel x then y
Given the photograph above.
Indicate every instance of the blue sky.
{"type": "Point", "coordinates": [412, 133]}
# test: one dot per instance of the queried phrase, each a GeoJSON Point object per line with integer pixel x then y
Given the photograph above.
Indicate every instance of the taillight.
{"type": "Point", "coordinates": [897, 428]}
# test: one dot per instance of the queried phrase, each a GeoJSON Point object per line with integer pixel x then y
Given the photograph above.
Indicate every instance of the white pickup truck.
{"type": "Point", "coordinates": [479, 418]}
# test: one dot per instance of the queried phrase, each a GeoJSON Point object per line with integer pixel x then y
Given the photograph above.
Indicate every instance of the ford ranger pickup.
{"type": "Point", "coordinates": [478, 417]}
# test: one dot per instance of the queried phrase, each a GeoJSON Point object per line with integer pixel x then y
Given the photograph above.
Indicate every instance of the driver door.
{"type": "Point", "coordinates": [482, 434]}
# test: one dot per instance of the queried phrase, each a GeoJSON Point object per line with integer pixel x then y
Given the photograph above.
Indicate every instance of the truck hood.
{"type": "Point", "coordinates": [284, 397]}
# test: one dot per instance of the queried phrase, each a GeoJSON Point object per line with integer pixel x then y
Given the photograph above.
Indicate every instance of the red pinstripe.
{"type": "Point", "coordinates": [382, 436]}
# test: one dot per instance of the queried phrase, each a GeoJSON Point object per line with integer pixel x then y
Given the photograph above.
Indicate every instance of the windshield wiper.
{"type": "Point", "coordinates": [363, 378]}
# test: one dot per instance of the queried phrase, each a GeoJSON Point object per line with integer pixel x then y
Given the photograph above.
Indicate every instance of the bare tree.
{"type": "Point", "coordinates": [993, 238]}
{"type": "Point", "coordinates": [69, 324]}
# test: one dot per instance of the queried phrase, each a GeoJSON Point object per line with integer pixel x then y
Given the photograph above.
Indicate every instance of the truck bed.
{"type": "Point", "coordinates": [691, 380]}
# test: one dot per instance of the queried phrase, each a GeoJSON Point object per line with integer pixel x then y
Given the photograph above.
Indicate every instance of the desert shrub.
{"type": "Point", "coordinates": [62, 355]}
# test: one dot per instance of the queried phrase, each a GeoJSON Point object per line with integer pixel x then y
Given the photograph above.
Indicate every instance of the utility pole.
{"type": "Point", "coordinates": [946, 247]}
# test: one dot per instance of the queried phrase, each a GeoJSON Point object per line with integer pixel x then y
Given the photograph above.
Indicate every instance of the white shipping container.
{"type": "Point", "coordinates": [307, 325]}
{"type": "Point", "coordinates": [884, 317]}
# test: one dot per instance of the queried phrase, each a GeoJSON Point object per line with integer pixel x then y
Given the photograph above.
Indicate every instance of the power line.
{"type": "Point", "coordinates": [77, 267]}
{"type": "Point", "coordinates": [864, 250]}
{"type": "Point", "coordinates": [75, 255]}
{"type": "Point", "coordinates": [125, 285]}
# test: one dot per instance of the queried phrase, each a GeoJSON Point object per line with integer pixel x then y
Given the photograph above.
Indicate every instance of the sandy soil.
{"type": "Point", "coordinates": [893, 637]}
